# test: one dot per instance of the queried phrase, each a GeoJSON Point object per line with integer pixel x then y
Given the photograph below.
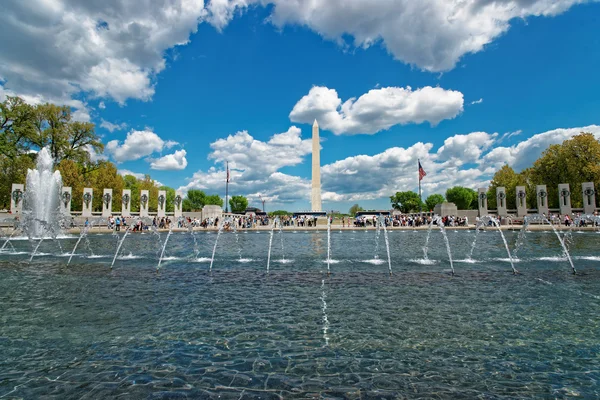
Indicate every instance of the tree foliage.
{"type": "Point", "coordinates": [505, 177]}
{"type": "Point", "coordinates": [433, 200]}
{"type": "Point", "coordinates": [464, 198]}
{"type": "Point", "coordinates": [238, 204]}
{"type": "Point", "coordinates": [354, 209]}
{"type": "Point", "coordinates": [406, 202]}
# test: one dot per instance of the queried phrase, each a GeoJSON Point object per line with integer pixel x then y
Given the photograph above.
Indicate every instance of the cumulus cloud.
{"type": "Point", "coordinates": [477, 101]}
{"type": "Point", "coordinates": [255, 164]}
{"type": "Point", "coordinates": [378, 109]}
{"type": "Point", "coordinates": [107, 49]}
{"type": "Point", "coordinates": [109, 126]}
{"type": "Point", "coordinates": [137, 144]}
{"type": "Point", "coordinates": [523, 154]}
{"type": "Point", "coordinates": [431, 34]}
{"type": "Point", "coordinates": [464, 159]}
{"type": "Point", "coordinates": [171, 162]}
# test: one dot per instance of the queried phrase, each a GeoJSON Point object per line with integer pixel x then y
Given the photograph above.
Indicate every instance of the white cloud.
{"type": "Point", "coordinates": [431, 34]}
{"type": "Point", "coordinates": [109, 49]}
{"type": "Point", "coordinates": [254, 166]}
{"type": "Point", "coordinates": [466, 160]}
{"type": "Point", "coordinates": [378, 109]}
{"type": "Point", "coordinates": [138, 144]}
{"type": "Point", "coordinates": [523, 154]}
{"type": "Point", "coordinates": [171, 162]}
{"type": "Point", "coordinates": [124, 172]}
{"type": "Point", "coordinates": [94, 157]}
{"type": "Point", "coordinates": [477, 101]}
{"type": "Point", "coordinates": [101, 105]}
{"type": "Point", "coordinates": [112, 127]}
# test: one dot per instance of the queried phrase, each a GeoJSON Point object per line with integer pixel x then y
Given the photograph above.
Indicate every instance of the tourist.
{"type": "Point", "coordinates": [118, 224]}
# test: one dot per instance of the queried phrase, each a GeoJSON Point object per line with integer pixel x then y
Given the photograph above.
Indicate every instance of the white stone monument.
{"type": "Point", "coordinates": [178, 204]}
{"type": "Point", "coordinates": [107, 203]}
{"type": "Point", "coordinates": [144, 202]}
{"type": "Point", "coordinates": [564, 199]}
{"type": "Point", "coordinates": [88, 197]}
{"type": "Point", "coordinates": [589, 197]}
{"type": "Point", "coordinates": [162, 203]}
{"type": "Point", "coordinates": [16, 199]}
{"type": "Point", "coordinates": [66, 197]}
{"type": "Point", "coordinates": [521, 201]}
{"type": "Point", "coordinates": [126, 203]}
{"type": "Point", "coordinates": [316, 169]}
{"type": "Point", "coordinates": [482, 201]}
{"type": "Point", "coordinates": [501, 201]}
{"type": "Point", "coordinates": [445, 208]}
{"type": "Point", "coordinates": [542, 199]}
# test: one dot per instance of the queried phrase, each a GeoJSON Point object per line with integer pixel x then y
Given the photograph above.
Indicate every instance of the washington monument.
{"type": "Point", "coordinates": [316, 169]}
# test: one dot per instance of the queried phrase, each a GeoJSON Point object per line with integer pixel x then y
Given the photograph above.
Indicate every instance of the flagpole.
{"type": "Point", "coordinates": [420, 199]}
{"type": "Point", "coordinates": [227, 190]}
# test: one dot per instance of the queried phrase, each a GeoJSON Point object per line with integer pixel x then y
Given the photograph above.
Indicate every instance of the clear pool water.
{"type": "Point", "coordinates": [84, 331]}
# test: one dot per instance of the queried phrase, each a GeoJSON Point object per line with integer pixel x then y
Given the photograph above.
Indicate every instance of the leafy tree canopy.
{"type": "Point", "coordinates": [433, 200]}
{"type": "Point", "coordinates": [464, 198]}
{"type": "Point", "coordinates": [238, 204]}
{"type": "Point", "coordinates": [406, 202]}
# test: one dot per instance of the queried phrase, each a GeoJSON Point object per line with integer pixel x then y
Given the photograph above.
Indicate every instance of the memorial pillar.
{"type": "Point", "coordinates": [521, 201]}
{"type": "Point", "coordinates": [542, 199]}
{"type": "Point", "coordinates": [501, 201]}
{"type": "Point", "coordinates": [88, 196]}
{"type": "Point", "coordinates": [144, 200]}
{"type": "Point", "coordinates": [564, 199]}
{"type": "Point", "coordinates": [482, 202]}
{"type": "Point", "coordinates": [65, 200]}
{"type": "Point", "coordinates": [126, 203]}
{"type": "Point", "coordinates": [107, 203]}
{"type": "Point", "coordinates": [178, 203]}
{"type": "Point", "coordinates": [16, 199]}
{"type": "Point", "coordinates": [589, 198]}
{"type": "Point", "coordinates": [162, 203]}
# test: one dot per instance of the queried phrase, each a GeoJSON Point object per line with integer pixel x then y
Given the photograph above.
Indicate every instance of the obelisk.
{"type": "Point", "coordinates": [316, 169]}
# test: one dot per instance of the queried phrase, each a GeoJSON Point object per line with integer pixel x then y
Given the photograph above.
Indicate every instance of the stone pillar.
{"type": "Point", "coordinates": [589, 197]}
{"type": "Point", "coordinates": [162, 203]}
{"type": "Point", "coordinates": [542, 199]}
{"type": "Point", "coordinates": [126, 203]}
{"type": "Point", "coordinates": [88, 196]}
{"type": "Point", "coordinates": [482, 202]}
{"type": "Point", "coordinates": [16, 199]}
{"type": "Point", "coordinates": [501, 201]}
{"type": "Point", "coordinates": [521, 201]}
{"type": "Point", "coordinates": [107, 203]}
{"type": "Point", "coordinates": [65, 200]}
{"type": "Point", "coordinates": [144, 201]}
{"type": "Point", "coordinates": [564, 199]}
{"type": "Point", "coordinates": [178, 203]}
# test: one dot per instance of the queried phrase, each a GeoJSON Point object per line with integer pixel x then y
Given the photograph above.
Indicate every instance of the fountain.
{"type": "Point", "coordinates": [41, 206]}
{"type": "Point", "coordinates": [542, 218]}
{"type": "Point", "coordinates": [489, 219]}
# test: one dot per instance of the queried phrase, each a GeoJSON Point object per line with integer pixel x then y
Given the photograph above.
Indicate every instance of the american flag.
{"type": "Point", "coordinates": [422, 172]}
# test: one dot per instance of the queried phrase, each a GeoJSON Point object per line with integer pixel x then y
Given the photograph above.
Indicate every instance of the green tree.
{"type": "Point", "coordinates": [464, 198]}
{"type": "Point", "coordinates": [354, 209]}
{"type": "Point", "coordinates": [105, 176]}
{"type": "Point", "coordinates": [194, 200]}
{"type": "Point", "coordinates": [13, 170]}
{"type": "Point", "coordinates": [17, 127]}
{"type": "Point", "coordinates": [132, 183]}
{"type": "Point", "coordinates": [505, 177]}
{"type": "Point", "coordinates": [433, 200]}
{"type": "Point", "coordinates": [279, 213]}
{"type": "Point", "coordinates": [214, 200]}
{"type": "Point", "coordinates": [406, 202]}
{"type": "Point", "coordinates": [238, 204]}
{"type": "Point", "coordinates": [575, 161]}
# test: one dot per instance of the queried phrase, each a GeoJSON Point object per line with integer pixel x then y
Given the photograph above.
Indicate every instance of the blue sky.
{"type": "Point", "coordinates": [178, 87]}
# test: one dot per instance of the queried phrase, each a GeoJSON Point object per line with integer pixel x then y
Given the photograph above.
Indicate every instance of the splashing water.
{"type": "Point", "coordinates": [324, 308]}
{"type": "Point", "coordinates": [41, 202]}
{"type": "Point", "coordinates": [162, 253]}
{"type": "Point", "coordinates": [387, 247]}
{"type": "Point", "coordinates": [119, 247]}
{"type": "Point", "coordinates": [494, 221]}
{"type": "Point", "coordinates": [329, 246]}
{"type": "Point", "coordinates": [270, 244]}
{"type": "Point", "coordinates": [426, 248]}
{"type": "Point", "coordinates": [542, 218]}
{"type": "Point", "coordinates": [212, 259]}
{"type": "Point", "coordinates": [440, 224]}
{"type": "Point", "coordinates": [83, 234]}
